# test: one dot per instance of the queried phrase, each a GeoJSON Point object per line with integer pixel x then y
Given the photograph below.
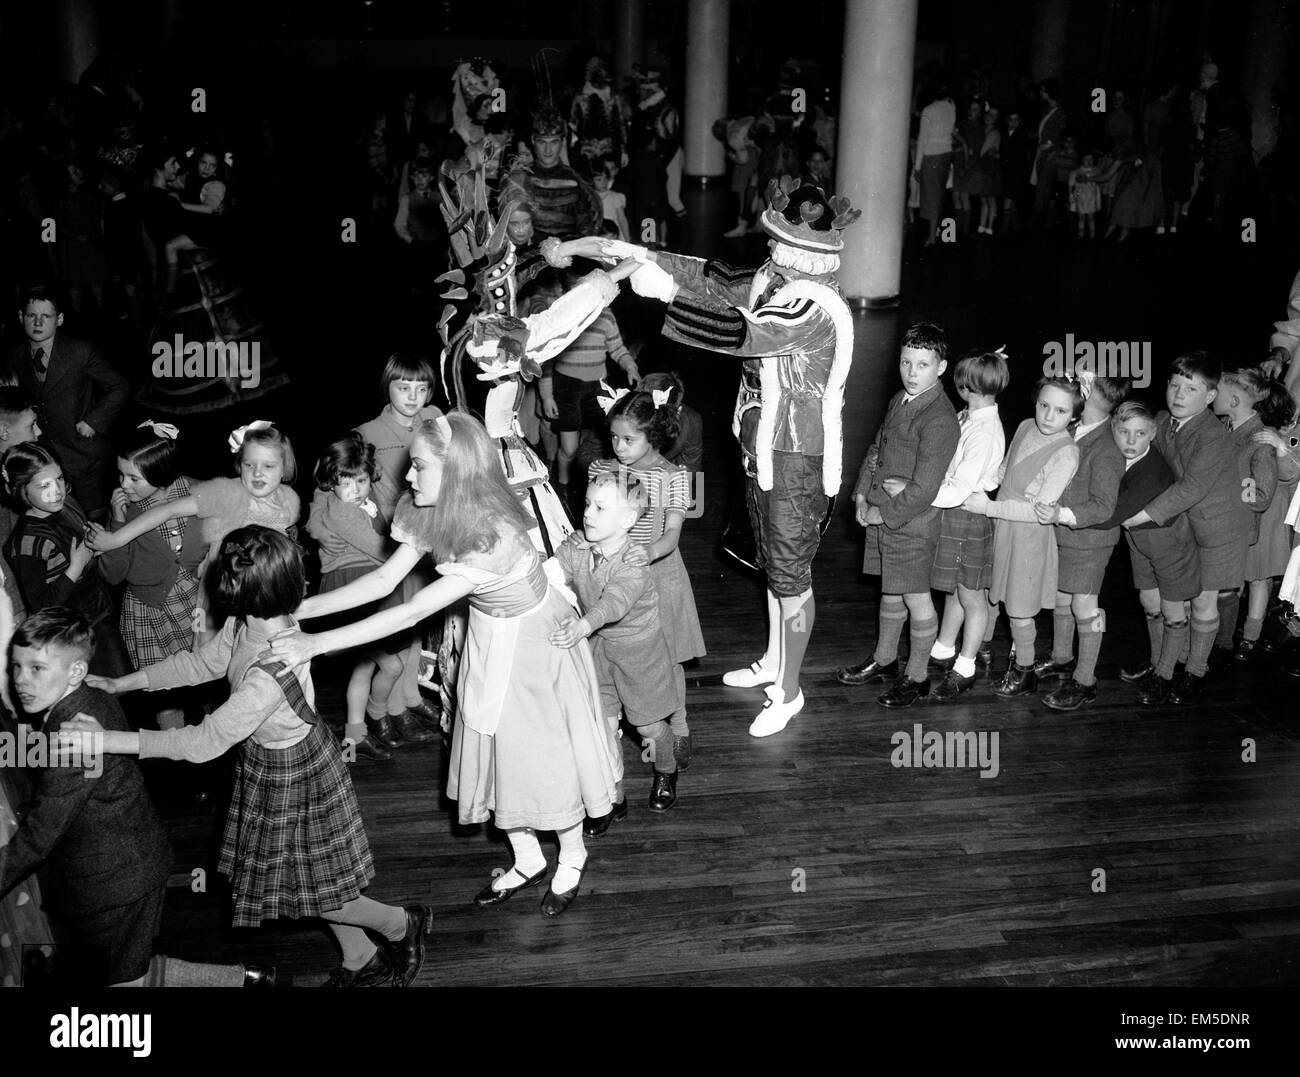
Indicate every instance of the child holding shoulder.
{"type": "Point", "coordinates": [49, 555]}
{"type": "Point", "coordinates": [1199, 449]}
{"type": "Point", "coordinates": [294, 844]}
{"type": "Point", "coordinates": [641, 426]}
{"type": "Point", "coordinates": [1084, 547]}
{"type": "Point", "coordinates": [1251, 402]}
{"type": "Point", "coordinates": [353, 539]}
{"type": "Point", "coordinates": [1037, 468]}
{"type": "Point", "coordinates": [963, 558]}
{"type": "Point", "coordinates": [635, 667]}
{"type": "Point", "coordinates": [899, 480]}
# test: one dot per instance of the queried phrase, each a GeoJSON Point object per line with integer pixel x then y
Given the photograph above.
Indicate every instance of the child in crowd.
{"type": "Point", "coordinates": [1165, 562]}
{"type": "Point", "coordinates": [620, 615]}
{"type": "Point", "coordinates": [641, 426]}
{"type": "Point", "coordinates": [613, 204]}
{"type": "Point", "coordinates": [1199, 449]}
{"type": "Point", "coordinates": [92, 820]}
{"type": "Point", "coordinates": [161, 594]}
{"type": "Point", "coordinates": [1251, 401]}
{"type": "Point", "coordinates": [519, 228]}
{"type": "Point", "coordinates": [353, 539]}
{"type": "Point", "coordinates": [1037, 468]}
{"type": "Point", "coordinates": [963, 557]}
{"type": "Point", "coordinates": [408, 384]}
{"type": "Point", "coordinates": [1085, 195]}
{"type": "Point", "coordinates": [49, 555]}
{"type": "Point", "coordinates": [897, 484]}
{"type": "Point", "coordinates": [687, 448]}
{"type": "Point", "coordinates": [1083, 547]}
{"type": "Point", "coordinates": [18, 426]}
{"type": "Point", "coordinates": [294, 844]}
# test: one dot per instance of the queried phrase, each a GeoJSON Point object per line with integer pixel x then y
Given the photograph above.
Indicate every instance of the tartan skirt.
{"type": "Point", "coordinates": [152, 633]}
{"type": "Point", "coordinates": [965, 552]}
{"type": "Point", "coordinates": [294, 844]}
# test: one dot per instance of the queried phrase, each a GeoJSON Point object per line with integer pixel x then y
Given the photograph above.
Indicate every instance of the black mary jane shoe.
{"type": "Point", "coordinates": [663, 791]}
{"type": "Point", "coordinates": [594, 828]}
{"type": "Point", "coordinates": [407, 953]}
{"type": "Point", "coordinates": [1017, 681]}
{"type": "Point", "coordinates": [487, 897]}
{"type": "Point", "coordinates": [553, 904]}
{"type": "Point", "coordinates": [868, 672]}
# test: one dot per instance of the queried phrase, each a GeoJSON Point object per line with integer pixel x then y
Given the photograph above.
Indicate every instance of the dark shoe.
{"type": "Point", "coordinates": [594, 828]}
{"type": "Point", "coordinates": [1017, 681]}
{"type": "Point", "coordinates": [378, 972]}
{"type": "Point", "coordinates": [1052, 668]}
{"type": "Point", "coordinates": [488, 897]}
{"type": "Point", "coordinates": [663, 792]}
{"type": "Point", "coordinates": [413, 731]}
{"type": "Point", "coordinates": [682, 751]}
{"type": "Point", "coordinates": [1071, 696]}
{"type": "Point", "coordinates": [868, 671]}
{"type": "Point", "coordinates": [428, 714]}
{"type": "Point", "coordinates": [1291, 669]}
{"type": "Point", "coordinates": [384, 731]}
{"type": "Point", "coordinates": [1155, 691]}
{"type": "Point", "coordinates": [1137, 676]}
{"type": "Point", "coordinates": [905, 692]}
{"type": "Point", "coordinates": [984, 656]}
{"type": "Point", "coordinates": [1283, 643]}
{"type": "Point", "coordinates": [553, 904]}
{"type": "Point", "coordinates": [407, 954]}
{"type": "Point", "coordinates": [1245, 651]}
{"type": "Point", "coordinates": [952, 685]}
{"type": "Point", "coordinates": [367, 750]}
{"type": "Point", "coordinates": [1187, 689]}
{"type": "Point", "coordinates": [259, 975]}
{"type": "Point", "coordinates": [940, 665]}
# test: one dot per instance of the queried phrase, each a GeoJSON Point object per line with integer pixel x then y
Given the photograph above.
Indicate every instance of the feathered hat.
{"type": "Point", "coordinates": [548, 120]}
{"type": "Point", "coordinates": [801, 216]}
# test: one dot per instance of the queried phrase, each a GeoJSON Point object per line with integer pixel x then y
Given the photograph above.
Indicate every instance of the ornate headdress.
{"type": "Point", "coordinates": [801, 216]}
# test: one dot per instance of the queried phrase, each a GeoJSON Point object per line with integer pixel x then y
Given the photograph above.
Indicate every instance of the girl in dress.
{"type": "Point", "coordinates": [49, 556]}
{"type": "Point", "coordinates": [1085, 195]}
{"type": "Point", "coordinates": [161, 594]}
{"type": "Point", "coordinates": [1039, 464]}
{"type": "Point", "coordinates": [353, 539]}
{"type": "Point", "coordinates": [294, 844]}
{"type": "Point", "coordinates": [641, 426]}
{"type": "Point", "coordinates": [530, 746]}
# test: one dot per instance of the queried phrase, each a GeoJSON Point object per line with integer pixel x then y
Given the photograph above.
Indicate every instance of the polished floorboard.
{"type": "Point", "coordinates": [808, 858]}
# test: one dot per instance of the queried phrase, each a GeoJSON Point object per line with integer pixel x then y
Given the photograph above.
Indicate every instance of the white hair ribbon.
{"type": "Point", "coordinates": [610, 397]}
{"type": "Point", "coordinates": [661, 397]}
{"type": "Point", "coordinates": [163, 430]}
{"type": "Point", "coordinates": [1001, 350]}
{"type": "Point", "coordinates": [444, 427]}
{"type": "Point", "coordinates": [236, 441]}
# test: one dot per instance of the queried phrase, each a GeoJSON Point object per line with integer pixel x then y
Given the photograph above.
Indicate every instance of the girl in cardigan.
{"type": "Point", "coordinates": [294, 844]}
{"type": "Point", "coordinates": [1039, 464]}
{"type": "Point", "coordinates": [353, 539]}
{"type": "Point", "coordinates": [161, 594]}
{"type": "Point", "coordinates": [49, 556]}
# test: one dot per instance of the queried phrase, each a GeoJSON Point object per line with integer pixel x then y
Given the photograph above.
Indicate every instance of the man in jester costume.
{"type": "Point", "coordinates": [789, 324]}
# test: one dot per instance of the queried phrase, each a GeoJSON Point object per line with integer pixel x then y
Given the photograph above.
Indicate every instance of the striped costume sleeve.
{"type": "Point", "coordinates": [712, 279]}
{"type": "Point", "coordinates": [772, 329]}
{"type": "Point", "coordinates": [41, 567]}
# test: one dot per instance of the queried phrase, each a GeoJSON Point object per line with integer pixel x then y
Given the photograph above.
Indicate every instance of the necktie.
{"type": "Point", "coordinates": [40, 363]}
{"type": "Point", "coordinates": [1174, 424]}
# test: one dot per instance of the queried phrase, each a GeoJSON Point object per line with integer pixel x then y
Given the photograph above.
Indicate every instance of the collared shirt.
{"type": "Point", "coordinates": [1081, 431]}
{"type": "Point", "coordinates": [1137, 459]}
{"type": "Point", "coordinates": [975, 463]}
{"type": "Point", "coordinates": [909, 397]}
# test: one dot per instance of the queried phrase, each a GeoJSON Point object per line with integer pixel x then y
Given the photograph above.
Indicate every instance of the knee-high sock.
{"type": "Point", "coordinates": [678, 719]}
{"type": "Point", "coordinates": [797, 615]}
{"type": "Point", "coordinates": [1198, 654]}
{"type": "Point", "coordinates": [923, 634]}
{"type": "Point", "coordinates": [659, 737]}
{"type": "Point", "coordinates": [1156, 634]}
{"type": "Point", "coordinates": [1253, 629]}
{"type": "Point", "coordinates": [170, 972]}
{"type": "Point", "coordinates": [772, 656]}
{"type": "Point", "coordinates": [529, 859]}
{"type": "Point", "coordinates": [1175, 640]}
{"type": "Point", "coordinates": [573, 857]}
{"type": "Point", "coordinates": [1023, 635]}
{"type": "Point", "coordinates": [893, 615]}
{"type": "Point", "coordinates": [1062, 635]}
{"type": "Point", "coordinates": [386, 920]}
{"type": "Point", "coordinates": [1229, 608]}
{"type": "Point", "coordinates": [1090, 633]}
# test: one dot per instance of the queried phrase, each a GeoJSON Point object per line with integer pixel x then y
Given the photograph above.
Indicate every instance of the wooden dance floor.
{"type": "Point", "coordinates": [1118, 845]}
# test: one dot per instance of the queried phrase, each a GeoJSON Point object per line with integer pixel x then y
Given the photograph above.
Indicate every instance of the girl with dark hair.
{"type": "Point", "coordinates": [530, 747]}
{"type": "Point", "coordinates": [294, 845]}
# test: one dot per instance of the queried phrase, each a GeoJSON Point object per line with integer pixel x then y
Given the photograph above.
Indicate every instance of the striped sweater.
{"type": "Point", "coordinates": [584, 359]}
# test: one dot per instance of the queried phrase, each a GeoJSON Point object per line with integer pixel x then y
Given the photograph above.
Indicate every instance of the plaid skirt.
{"type": "Point", "coordinates": [965, 552]}
{"type": "Point", "coordinates": [294, 843]}
{"type": "Point", "coordinates": [152, 633]}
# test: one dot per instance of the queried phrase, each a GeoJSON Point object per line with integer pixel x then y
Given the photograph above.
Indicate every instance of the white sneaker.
{"type": "Point", "coordinates": [775, 715]}
{"type": "Point", "coordinates": [751, 677]}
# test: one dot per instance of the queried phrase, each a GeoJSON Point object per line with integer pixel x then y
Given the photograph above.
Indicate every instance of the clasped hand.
{"type": "Point", "coordinates": [570, 632]}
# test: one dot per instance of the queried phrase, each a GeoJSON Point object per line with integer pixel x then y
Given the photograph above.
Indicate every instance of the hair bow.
{"type": "Point", "coordinates": [1001, 350]}
{"type": "Point", "coordinates": [237, 435]}
{"type": "Point", "coordinates": [163, 430]}
{"type": "Point", "coordinates": [1084, 378]}
{"type": "Point", "coordinates": [239, 552]}
{"type": "Point", "coordinates": [444, 427]}
{"type": "Point", "coordinates": [610, 397]}
{"type": "Point", "coordinates": [660, 397]}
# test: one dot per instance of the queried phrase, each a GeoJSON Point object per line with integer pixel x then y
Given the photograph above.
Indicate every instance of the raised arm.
{"type": "Point", "coordinates": [101, 540]}
{"type": "Point", "coordinates": [369, 588]}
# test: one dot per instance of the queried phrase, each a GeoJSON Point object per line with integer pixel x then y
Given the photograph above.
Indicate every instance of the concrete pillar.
{"type": "Point", "coordinates": [871, 156]}
{"type": "Point", "coordinates": [629, 38]}
{"type": "Point", "coordinates": [1047, 42]}
{"type": "Point", "coordinates": [78, 28]}
{"type": "Point", "coordinates": [1263, 64]}
{"type": "Point", "coordinates": [708, 51]}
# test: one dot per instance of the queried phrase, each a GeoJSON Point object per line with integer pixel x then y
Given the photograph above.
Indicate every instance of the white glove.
{"type": "Point", "coordinates": [618, 250]}
{"type": "Point", "coordinates": [654, 283]}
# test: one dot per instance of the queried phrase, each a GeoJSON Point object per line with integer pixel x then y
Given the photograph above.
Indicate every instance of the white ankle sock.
{"type": "Point", "coordinates": [529, 859]}
{"type": "Point", "coordinates": [573, 857]}
{"type": "Point", "coordinates": [941, 651]}
{"type": "Point", "coordinates": [964, 667]}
